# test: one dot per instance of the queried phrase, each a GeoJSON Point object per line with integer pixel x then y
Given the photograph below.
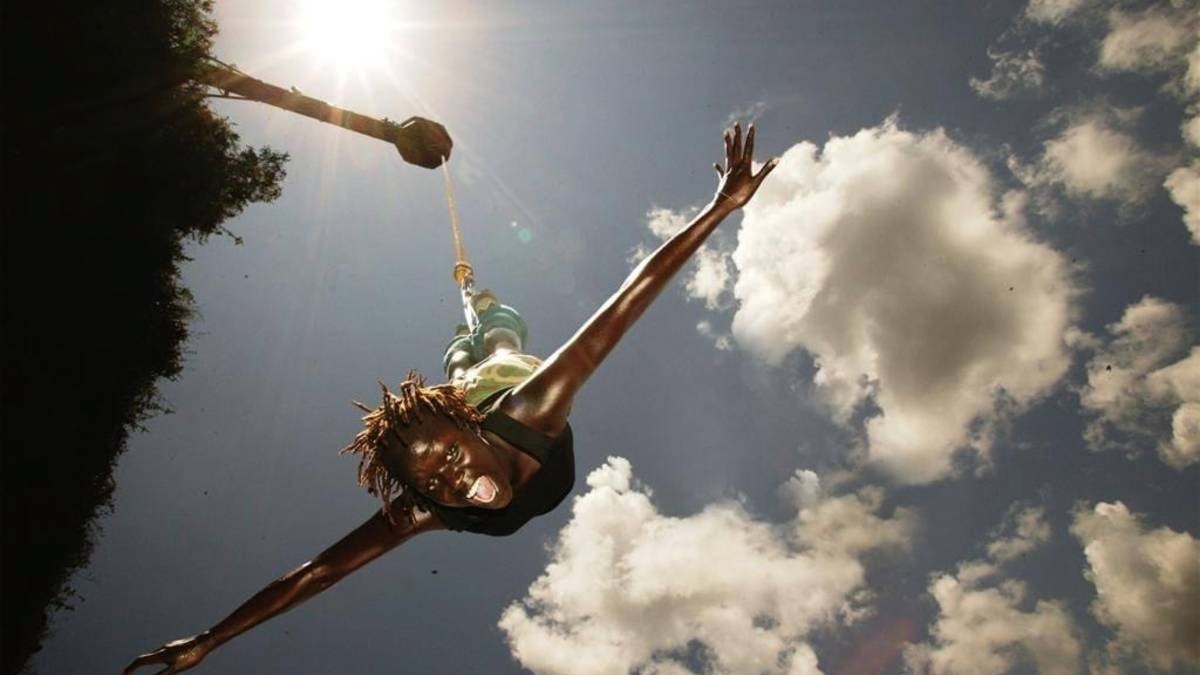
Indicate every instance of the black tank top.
{"type": "Point", "coordinates": [545, 490]}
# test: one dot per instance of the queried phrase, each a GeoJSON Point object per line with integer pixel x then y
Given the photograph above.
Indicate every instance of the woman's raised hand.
{"type": "Point", "coordinates": [738, 182]}
{"type": "Point", "coordinates": [177, 656]}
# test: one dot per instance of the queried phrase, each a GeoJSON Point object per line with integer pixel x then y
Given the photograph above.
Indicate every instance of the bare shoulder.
{"type": "Point", "coordinates": [537, 404]}
{"type": "Point", "coordinates": [407, 521]}
{"type": "Point", "coordinates": [413, 520]}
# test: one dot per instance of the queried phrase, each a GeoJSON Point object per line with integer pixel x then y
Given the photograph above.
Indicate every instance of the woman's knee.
{"type": "Point", "coordinates": [501, 338]}
{"type": "Point", "coordinates": [457, 361]}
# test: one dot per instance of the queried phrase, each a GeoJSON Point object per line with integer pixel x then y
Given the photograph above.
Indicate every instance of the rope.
{"type": "Point", "coordinates": [464, 275]}
{"type": "Point", "coordinates": [462, 268]}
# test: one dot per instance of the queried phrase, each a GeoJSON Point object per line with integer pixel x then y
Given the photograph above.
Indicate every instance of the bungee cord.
{"type": "Point", "coordinates": [464, 274]}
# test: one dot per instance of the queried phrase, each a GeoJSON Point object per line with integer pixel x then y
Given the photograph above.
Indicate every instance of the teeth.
{"type": "Point", "coordinates": [474, 488]}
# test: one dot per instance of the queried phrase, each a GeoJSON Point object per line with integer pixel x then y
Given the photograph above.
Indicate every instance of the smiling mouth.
{"type": "Point", "coordinates": [483, 491]}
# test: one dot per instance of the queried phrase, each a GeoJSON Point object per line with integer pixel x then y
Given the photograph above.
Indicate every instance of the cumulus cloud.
{"type": "Point", "coordinates": [1024, 529]}
{"type": "Point", "coordinates": [1164, 39]}
{"type": "Point", "coordinates": [1013, 73]}
{"type": "Point", "coordinates": [630, 588]}
{"type": "Point", "coordinates": [1184, 182]}
{"type": "Point", "coordinates": [981, 628]}
{"type": "Point", "coordinates": [1147, 585]}
{"type": "Point", "coordinates": [1143, 386]}
{"type": "Point", "coordinates": [1180, 382]}
{"type": "Point", "coordinates": [722, 341]}
{"type": "Point", "coordinates": [709, 276]}
{"type": "Point", "coordinates": [1191, 78]}
{"type": "Point", "coordinates": [1191, 130]}
{"type": "Point", "coordinates": [1184, 187]}
{"type": "Point", "coordinates": [749, 113]}
{"type": "Point", "coordinates": [711, 279]}
{"type": "Point", "coordinates": [1052, 11]}
{"type": "Point", "coordinates": [927, 307]}
{"type": "Point", "coordinates": [1095, 157]}
{"type": "Point", "coordinates": [1156, 39]}
{"type": "Point", "coordinates": [664, 222]}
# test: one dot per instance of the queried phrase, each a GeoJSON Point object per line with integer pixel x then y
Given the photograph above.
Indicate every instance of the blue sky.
{"type": "Point", "coordinates": [929, 405]}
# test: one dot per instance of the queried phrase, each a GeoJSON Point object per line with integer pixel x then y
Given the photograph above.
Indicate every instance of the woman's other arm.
{"type": "Point", "coordinates": [544, 400]}
{"type": "Point", "coordinates": [366, 543]}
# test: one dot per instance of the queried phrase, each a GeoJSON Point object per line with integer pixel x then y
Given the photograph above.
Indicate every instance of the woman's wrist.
{"type": "Point", "coordinates": [208, 640]}
{"type": "Point", "coordinates": [722, 204]}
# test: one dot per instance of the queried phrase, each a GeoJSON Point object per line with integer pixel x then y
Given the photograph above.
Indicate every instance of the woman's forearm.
{"type": "Point", "coordinates": [606, 327]}
{"type": "Point", "coordinates": [368, 541]}
{"type": "Point", "coordinates": [544, 400]}
{"type": "Point", "coordinates": [279, 596]}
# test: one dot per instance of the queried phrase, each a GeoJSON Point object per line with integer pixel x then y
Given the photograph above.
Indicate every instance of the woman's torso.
{"type": "Point", "coordinates": [485, 384]}
{"type": "Point", "coordinates": [484, 381]}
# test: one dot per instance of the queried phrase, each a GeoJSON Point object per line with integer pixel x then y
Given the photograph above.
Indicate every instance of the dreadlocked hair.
{"type": "Point", "coordinates": [396, 411]}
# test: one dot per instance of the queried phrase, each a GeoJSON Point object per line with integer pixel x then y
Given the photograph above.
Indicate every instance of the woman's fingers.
{"type": "Point", "coordinates": [737, 142]}
{"type": "Point", "coordinates": [766, 169]}
{"type": "Point", "coordinates": [737, 150]}
{"type": "Point", "coordinates": [145, 660]}
{"type": "Point", "coordinates": [137, 663]}
{"type": "Point", "coordinates": [720, 171]}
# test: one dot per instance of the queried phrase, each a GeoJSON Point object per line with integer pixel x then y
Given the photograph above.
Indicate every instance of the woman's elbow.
{"type": "Point", "coordinates": [315, 576]}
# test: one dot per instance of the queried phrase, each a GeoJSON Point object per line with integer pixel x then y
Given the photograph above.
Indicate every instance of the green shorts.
{"type": "Point", "coordinates": [493, 316]}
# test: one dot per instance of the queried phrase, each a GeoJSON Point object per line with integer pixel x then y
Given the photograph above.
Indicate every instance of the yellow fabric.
{"type": "Point", "coordinates": [502, 370]}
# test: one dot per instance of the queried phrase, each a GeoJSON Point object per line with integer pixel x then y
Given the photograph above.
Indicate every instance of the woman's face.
{"type": "Point", "coordinates": [452, 466]}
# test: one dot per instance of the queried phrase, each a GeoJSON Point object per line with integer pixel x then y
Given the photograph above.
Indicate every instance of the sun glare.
{"type": "Point", "coordinates": [349, 34]}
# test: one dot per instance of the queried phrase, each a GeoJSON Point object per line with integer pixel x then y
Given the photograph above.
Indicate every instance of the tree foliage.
{"type": "Point", "coordinates": [112, 162]}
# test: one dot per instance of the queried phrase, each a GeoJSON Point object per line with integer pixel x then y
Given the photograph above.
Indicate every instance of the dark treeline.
{"type": "Point", "coordinates": [112, 162]}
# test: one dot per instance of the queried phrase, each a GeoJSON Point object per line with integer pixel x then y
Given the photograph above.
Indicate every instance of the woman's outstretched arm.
{"type": "Point", "coordinates": [544, 400]}
{"type": "Point", "coordinates": [367, 542]}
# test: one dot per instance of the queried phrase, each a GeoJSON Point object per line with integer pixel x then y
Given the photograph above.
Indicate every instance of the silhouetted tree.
{"type": "Point", "coordinates": [112, 161]}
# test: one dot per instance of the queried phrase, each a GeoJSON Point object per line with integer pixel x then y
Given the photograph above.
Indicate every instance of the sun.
{"type": "Point", "coordinates": [349, 34]}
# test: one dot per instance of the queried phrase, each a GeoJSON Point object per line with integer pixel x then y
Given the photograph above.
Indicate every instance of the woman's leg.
{"type": "Point", "coordinates": [458, 356]}
{"type": "Point", "coordinates": [500, 329]}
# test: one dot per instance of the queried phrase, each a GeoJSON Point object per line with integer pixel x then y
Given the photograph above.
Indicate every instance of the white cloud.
{"type": "Point", "coordinates": [1191, 130]}
{"type": "Point", "coordinates": [1028, 529]}
{"type": "Point", "coordinates": [637, 254]}
{"type": "Point", "coordinates": [1164, 38]}
{"type": "Point", "coordinates": [1094, 158]}
{"type": "Point", "coordinates": [884, 257]}
{"type": "Point", "coordinates": [1147, 585]}
{"type": "Point", "coordinates": [981, 628]}
{"type": "Point", "coordinates": [982, 631]}
{"type": "Point", "coordinates": [1156, 39]}
{"type": "Point", "coordinates": [711, 277]}
{"type": "Point", "coordinates": [1180, 383]}
{"type": "Point", "coordinates": [629, 587]}
{"type": "Point", "coordinates": [1142, 387]}
{"type": "Point", "coordinates": [663, 223]}
{"type": "Point", "coordinates": [1184, 186]}
{"type": "Point", "coordinates": [1052, 11]}
{"type": "Point", "coordinates": [1191, 79]}
{"type": "Point", "coordinates": [1012, 73]}
{"type": "Point", "coordinates": [745, 115]}
{"type": "Point", "coordinates": [721, 341]}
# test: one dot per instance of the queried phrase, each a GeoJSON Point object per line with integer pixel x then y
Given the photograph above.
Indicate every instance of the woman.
{"type": "Point", "coordinates": [472, 455]}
